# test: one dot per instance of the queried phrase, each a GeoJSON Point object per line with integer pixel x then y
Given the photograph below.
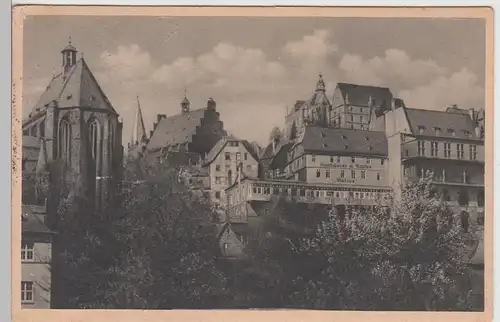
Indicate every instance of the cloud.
{"type": "Point", "coordinates": [459, 88]}
{"type": "Point", "coordinates": [395, 67]}
{"type": "Point", "coordinates": [128, 62]}
{"type": "Point", "coordinates": [315, 46]}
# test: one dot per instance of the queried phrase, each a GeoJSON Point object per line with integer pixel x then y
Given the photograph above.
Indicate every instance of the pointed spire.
{"type": "Point", "coordinates": [320, 85]}
{"type": "Point", "coordinates": [41, 165]}
{"type": "Point", "coordinates": [139, 130]}
{"type": "Point", "coordinates": [185, 103]}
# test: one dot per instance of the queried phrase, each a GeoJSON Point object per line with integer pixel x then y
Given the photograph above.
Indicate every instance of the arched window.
{"type": "Point", "coordinates": [41, 127]}
{"type": "Point", "coordinates": [111, 141]}
{"type": "Point", "coordinates": [94, 139]}
{"type": "Point", "coordinates": [230, 177]}
{"type": "Point", "coordinates": [65, 141]}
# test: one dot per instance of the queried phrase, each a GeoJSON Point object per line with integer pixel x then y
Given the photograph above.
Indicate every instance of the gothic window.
{"type": "Point", "coordinates": [230, 177]}
{"type": "Point", "coordinates": [41, 127]}
{"type": "Point", "coordinates": [65, 141]}
{"type": "Point", "coordinates": [94, 139]}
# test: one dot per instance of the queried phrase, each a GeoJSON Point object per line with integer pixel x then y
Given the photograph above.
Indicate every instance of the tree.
{"type": "Point", "coordinates": [276, 135]}
{"type": "Point", "coordinates": [408, 256]}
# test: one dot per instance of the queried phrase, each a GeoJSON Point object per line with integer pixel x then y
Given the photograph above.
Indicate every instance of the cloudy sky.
{"type": "Point", "coordinates": [256, 68]}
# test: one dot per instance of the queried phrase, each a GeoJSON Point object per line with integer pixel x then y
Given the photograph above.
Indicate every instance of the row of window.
{"type": "Point", "coordinates": [218, 167]}
{"type": "Point", "coordinates": [438, 131]}
{"type": "Point", "coordinates": [343, 176]}
{"type": "Point", "coordinates": [318, 193]}
{"type": "Point", "coordinates": [337, 159]}
{"type": "Point", "coordinates": [227, 156]}
{"type": "Point", "coordinates": [437, 175]}
{"type": "Point", "coordinates": [447, 150]}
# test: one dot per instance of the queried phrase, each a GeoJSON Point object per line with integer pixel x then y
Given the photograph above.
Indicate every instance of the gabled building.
{"type": "Point", "coordinates": [194, 131]}
{"type": "Point", "coordinates": [223, 162]}
{"type": "Point", "coordinates": [355, 106]}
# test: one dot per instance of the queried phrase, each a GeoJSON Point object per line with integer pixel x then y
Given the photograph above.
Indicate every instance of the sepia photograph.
{"type": "Point", "coordinates": [170, 161]}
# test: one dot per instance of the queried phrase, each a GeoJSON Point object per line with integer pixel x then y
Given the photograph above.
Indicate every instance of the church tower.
{"type": "Point", "coordinates": [80, 132]}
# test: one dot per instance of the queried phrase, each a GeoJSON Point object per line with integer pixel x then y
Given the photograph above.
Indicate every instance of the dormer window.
{"type": "Point", "coordinates": [325, 145]}
{"type": "Point", "coordinates": [467, 133]}
{"type": "Point", "coordinates": [346, 146]}
{"type": "Point", "coordinates": [367, 138]}
{"type": "Point", "coordinates": [323, 135]}
{"type": "Point", "coordinates": [451, 132]}
{"type": "Point", "coordinates": [370, 148]}
{"type": "Point", "coordinates": [421, 129]}
{"type": "Point", "coordinates": [92, 98]}
{"type": "Point", "coordinates": [437, 130]}
{"type": "Point", "coordinates": [344, 137]}
{"type": "Point", "coordinates": [69, 96]}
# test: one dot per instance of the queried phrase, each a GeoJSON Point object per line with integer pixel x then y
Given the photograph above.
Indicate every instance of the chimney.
{"type": "Point", "coordinates": [160, 117]}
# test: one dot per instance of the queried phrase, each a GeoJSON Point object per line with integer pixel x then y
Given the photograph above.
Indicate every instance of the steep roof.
{"type": "Point", "coordinates": [360, 94]}
{"type": "Point", "coordinates": [425, 122]}
{"type": "Point", "coordinates": [176, 129]}
{"type": "Point", "coordinates": [344, 141]}
{"type": "Point", "coordinates": [219, 146]}
{"type": "Point", "coordinates": [31, 222]}
{"type": "Point", "coordinates": [139, 130]}
{"type": "Point", "coordinates": [280, 159]}
{"type": "Point", "coordinates": [77, 87]}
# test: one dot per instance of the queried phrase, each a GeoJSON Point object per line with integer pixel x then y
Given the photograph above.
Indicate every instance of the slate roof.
{"type": "Point", "coordinates": [77, 89]}
{"type": "Point", "coordinates": [176, 129]}
{"type": "Point", "coordinates": [344, 141]}
{"type": "Point", "coordinates": [360, 94]}
{"type": "Point", "coordinates": [280, 159]}
{"type": "Point", "coordinates": [425, 122]}
{"type": "Point", "coordinates": [32, 223]}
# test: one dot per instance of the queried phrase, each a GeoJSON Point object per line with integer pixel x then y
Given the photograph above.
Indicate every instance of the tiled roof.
{"type": "Point", "coordinates": [31, 222]}
{"type": "Point", "coordinates": [344, 141]}
{"type": "Point", "coordinates": [360, 94]}
{"type": "Point", "coordinates": [78, 88]}
{"type": "Point", "coordinates": [176, 129]}
{"type": "Point", "coordinates": [441, 123]}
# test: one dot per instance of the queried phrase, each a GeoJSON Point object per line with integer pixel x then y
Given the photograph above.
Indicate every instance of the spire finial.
{"type": "Point", "coordinates": [320, 85]}
{"type": "Point", "coordinates": [70, 40]}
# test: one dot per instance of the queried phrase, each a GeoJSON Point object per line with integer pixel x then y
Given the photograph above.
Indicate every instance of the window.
{"type": "Point", "coordinates": [65, 140]}
{"type": "Point", "coordinates": [313, 158]}
{"type": "Point", "coordinates": [217, 180]}
{"type": "Point", "coordinates": [327, 173]}
{"type": "Point", "coordinates": [378, 176]}
{"type": "Point", "coordinates": [480, 198]}
{"type": "Point", "coordinates": [368, 160]}
{"type": "Point", "coordinates": [451, 132]}
{"type": "Point", "coordinates": [230, 177]}
{"type": "Point", "coordinates": [465, 177]}
{"type": "Point", "coordinates": [338, 159]}
{"type": "Point", "coordinates": [434, 149]}
{"type": "Point", "coordinates": [33, 131]}
{"type": "Point", "coordinates": [245, 156]}
{"type": "Point", "coordinates": [438, 130]}
{"type": "Point", "coordinates": [238, 156]}
{"type": "Point", "coordinates": [217, 167]}
{"type": "Point", "coordinates": [318, 173]}
{"type": "Point", "coordinates": [27, 292]}
{"type": "Point", "coordinates": [447, 150]}
{"type": "Point", "coordinates": [472, 152]}
{"type": "Point", "coordinates": [353, 174]}
{"type": "Point", "coordinates": [94, 139]}
{"type": "Point", "coordinates": [331, 159]}
{"type": "Point", "coordinates": [460, 151]}
{"type": "Point", "coordinates": [421, 129]}
{"type": "Point", "coordinates": [41, 127]}
{"type": "Point", "coordinates": [217, 195]}
{"type": "Point", "coordinates": [363, 174]}
{"type": "Point", "coordinates": [227, 156]}
{"type": "Point", "coordinates": [352, 118]}
{"type": "Point", "coordinates": [381, 161]}
{"type": "Point", "coordinates": [342, 173]}
{"type": "Point", "coordinates": [421, 147]}
{"type": "Point", "coordinates": [27, 251]}
{"type": "Point", "coordinates": [353, 159]}
{"type": "Point", "coordinates": [463, 198]}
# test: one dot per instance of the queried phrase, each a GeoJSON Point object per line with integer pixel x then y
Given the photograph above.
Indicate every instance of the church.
{"type": "Point", "coordinates": [72, 137]}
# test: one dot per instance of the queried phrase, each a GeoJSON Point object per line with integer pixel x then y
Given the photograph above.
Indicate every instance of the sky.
{"type": "Point", "coordinates": [256, 68]}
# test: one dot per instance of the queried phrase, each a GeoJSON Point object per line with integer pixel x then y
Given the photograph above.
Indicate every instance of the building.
{"type": "Point", "coordinates": [223, 162]}
{"type": "Point", "coordinates": [80, 133]}
{"type": "Point", "coordinates": [449, 144]}
{"type": "Point", "coordinates": [195, 131]}
{"type": "Point", "coordinates": [36, 258]}
{"type": "Point", "coordinates": [355, 106]}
